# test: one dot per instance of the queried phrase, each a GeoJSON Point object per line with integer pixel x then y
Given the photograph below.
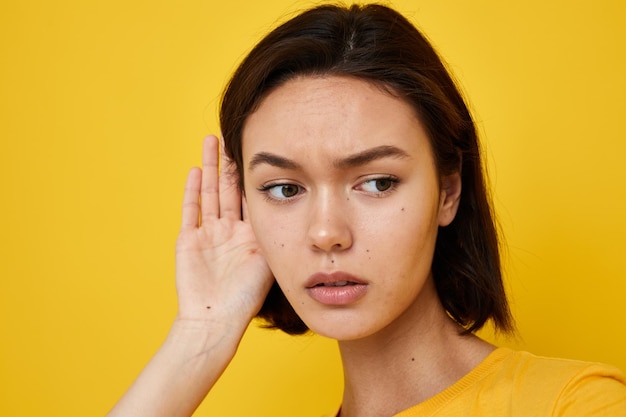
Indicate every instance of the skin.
{"type": "Point", "coordinates": [336, 218]}
{"type": "Point", "coordinates": [353, 207]}
{"type": "Point", "coordinates": [221, 282]}
{"type": "Point", "coordinates": [339, 220]}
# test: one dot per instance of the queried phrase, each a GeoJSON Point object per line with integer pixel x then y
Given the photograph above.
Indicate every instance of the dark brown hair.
{"type": "Point", "coordinates": [377, 44]}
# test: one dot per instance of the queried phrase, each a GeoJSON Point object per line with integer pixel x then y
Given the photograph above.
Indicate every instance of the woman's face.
{"type": "Point", "coordinates": [345, 201]}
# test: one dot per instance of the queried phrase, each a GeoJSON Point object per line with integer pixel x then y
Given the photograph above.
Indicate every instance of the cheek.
{"type": "Point", "coordinates": [403, 240]}
{"type": "Point", "coordinates": [270, 236]}
{"type": "Point", "coordinates": [275, 237]}
{"type": "Point", "coordinates": [402, 224]}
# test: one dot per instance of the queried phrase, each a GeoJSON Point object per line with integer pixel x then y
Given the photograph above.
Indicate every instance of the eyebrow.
{"type": "Point", "coordinates": [355, 160]}
{"type": "Point", "coordinates": [273, 160]}
{"type": "Point", "coordinates": [370, 155]}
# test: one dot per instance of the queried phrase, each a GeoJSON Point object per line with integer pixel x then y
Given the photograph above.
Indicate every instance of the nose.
{"type": "Point", "coordinates": [329, 224]}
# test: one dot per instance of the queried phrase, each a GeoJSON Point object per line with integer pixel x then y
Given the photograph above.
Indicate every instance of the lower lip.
{"type": "Point", "coordinates": [328, 295]}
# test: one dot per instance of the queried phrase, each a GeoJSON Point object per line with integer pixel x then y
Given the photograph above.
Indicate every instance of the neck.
{"type": "Point", "coordinates": [417, 356]}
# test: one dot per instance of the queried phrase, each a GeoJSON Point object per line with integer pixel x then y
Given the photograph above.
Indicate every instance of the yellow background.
{"type": "Point", "coordinates": [103, 108]}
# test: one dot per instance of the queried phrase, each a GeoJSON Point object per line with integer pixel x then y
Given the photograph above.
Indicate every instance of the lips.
{"type": "Point", "coordinates": [335, 284]}
{"type": "Point", "coordinates": [337, 288]}
{"type": "Point", "coordinates": [334, 279]}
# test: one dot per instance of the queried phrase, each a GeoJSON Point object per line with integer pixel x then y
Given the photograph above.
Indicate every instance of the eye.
{"type": "Point", "coordinates": [378, 186]}
{"type": "Point", "coordinates": [281, 191]}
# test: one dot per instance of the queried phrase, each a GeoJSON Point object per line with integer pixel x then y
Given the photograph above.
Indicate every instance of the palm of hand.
{"type": "Point", "coordinates": [220, 270]}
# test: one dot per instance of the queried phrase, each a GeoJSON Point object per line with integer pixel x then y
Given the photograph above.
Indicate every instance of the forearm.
{"type": "Point", "coordinates": [182, 372]}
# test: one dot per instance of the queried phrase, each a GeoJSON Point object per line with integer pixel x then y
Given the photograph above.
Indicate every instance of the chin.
{"type": "Point", "coordinates": [341, 327]}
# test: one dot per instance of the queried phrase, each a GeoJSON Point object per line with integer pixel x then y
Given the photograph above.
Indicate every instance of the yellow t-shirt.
{"type": "Point", "coordinates": [510, 383]}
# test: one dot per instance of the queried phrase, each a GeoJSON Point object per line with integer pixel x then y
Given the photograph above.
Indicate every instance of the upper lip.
{"type": "Point", "coordinates": [321, 278]}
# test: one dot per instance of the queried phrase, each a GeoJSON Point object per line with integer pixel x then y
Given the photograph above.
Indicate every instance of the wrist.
{"type": "Point", "coordinates": [204, 336]}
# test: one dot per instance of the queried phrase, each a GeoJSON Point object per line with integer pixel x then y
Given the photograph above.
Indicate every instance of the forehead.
{"type": "Point", "coordinates": [331, 115]}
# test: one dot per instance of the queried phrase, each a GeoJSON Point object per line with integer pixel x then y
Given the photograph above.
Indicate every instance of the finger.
{"type": "Point", "coordinates": [230, 196]}
{"type": "Point", "coordinates": [209, 194]}
{"type": "Point", "coordinates": [191, 207]}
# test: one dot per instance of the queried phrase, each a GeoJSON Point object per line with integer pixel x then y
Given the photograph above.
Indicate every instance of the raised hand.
{"type": "Point", "coordinates": [221, 279]}
{"type": "Point", "coordinates": [220, 271]}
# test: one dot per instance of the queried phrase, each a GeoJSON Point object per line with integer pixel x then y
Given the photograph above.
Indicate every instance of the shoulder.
{"type": "Point", "coordinates": [524, 364]}
{"type": "Point", "coordinates": [561, 387]}
{"type": "Point", "coordinates": [518, 384]}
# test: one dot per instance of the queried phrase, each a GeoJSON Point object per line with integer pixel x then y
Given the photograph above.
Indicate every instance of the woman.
{"type": "Point", "coordinates": [364, 218]}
